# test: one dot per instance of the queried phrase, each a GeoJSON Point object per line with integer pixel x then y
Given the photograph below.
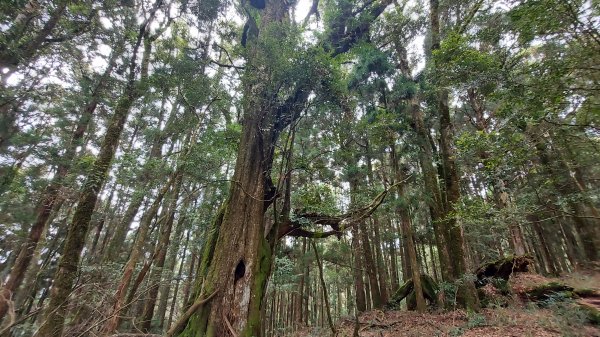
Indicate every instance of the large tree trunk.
{"type": "Point", "coordinates": [452, 229]}
{"type": "Point", "coordinates": [238, 256]}
{"type": "Point", "coordinates": [240, 262]}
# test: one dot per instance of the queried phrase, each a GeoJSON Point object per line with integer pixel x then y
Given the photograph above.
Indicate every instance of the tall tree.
{"type": "Point", "coordinates": [69, 262]}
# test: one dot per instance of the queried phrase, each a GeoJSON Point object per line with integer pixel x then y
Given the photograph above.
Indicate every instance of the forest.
{"type": "Point", "coordinates": [239, 168]}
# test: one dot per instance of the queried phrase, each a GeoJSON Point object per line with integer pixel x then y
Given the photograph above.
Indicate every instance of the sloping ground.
{"type": "Point", "coordinates": [519, 319]}
{"type": "Point", "coordinates": [501, 322]}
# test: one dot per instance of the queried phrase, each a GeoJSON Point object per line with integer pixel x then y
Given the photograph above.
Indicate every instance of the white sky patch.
{"type": "Point", "coordinates": [416, 54]}
{"type": "Point", "coordinates": [105, 22]}
{"type": "Point", "coordinates": [302, 9]}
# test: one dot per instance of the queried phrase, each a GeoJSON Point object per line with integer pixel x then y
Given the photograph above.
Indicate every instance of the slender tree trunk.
{"type": "Point", "coordinates": [407, 233]}
{"type": "Point", "coordinates": [161, 254]}
{"type": "Point", "coordinates": [115, 317]}
{"type": "Point", "coordinates": [69, 262]}
{"type": "Point", "coordinates": [375, 224]}
{"type": "Point", "coordinates": [546, 255]}
{"type": "Point", "coordinates": [178, 284]}
{"type": "Point", "coordinates": [371, 267]}
{"type": "Point", "coordinates": [142, 188]}
{"type": "Point", "coordinates": [165, 288]}
{"type": "Point", "coordinates": [51, 195]}
{"type": "Point", "coordinates": [325, 295]}
{"type": "Point", "coordinates": [393, 263]}
{"type": "Point", "coordinates": [566, 186]}
{"type": "Point", "coordinates": [301, 294]}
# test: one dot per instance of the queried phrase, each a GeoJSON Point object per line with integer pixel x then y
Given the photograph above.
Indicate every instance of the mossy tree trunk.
{"type": "Point", "coordinates": [467, 294]}
{"type": "Point", "coordinates": [51, 196]}
{"type": "Point", "coordinates": [76, 236]}
{"type": "Point", "coordinates": [240, 262]}
{"type": "Point", "coordinates": [237, 258]}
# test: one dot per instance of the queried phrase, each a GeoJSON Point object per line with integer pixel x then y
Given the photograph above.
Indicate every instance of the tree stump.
{"type": "Point", "coordinates": [430, 289]}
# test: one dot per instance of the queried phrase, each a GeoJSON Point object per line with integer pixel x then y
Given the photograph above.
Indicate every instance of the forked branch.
{"type": "Point", "coordinates": [338, 223]}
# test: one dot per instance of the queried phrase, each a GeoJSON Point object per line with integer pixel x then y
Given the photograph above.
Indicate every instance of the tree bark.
{"type": "Point", "coordinates": [359, 287]}
{"type": "Point", "coordinates": [325, 295]}
{"type": "Point", "coordinates": [161, 254]}
{"type": "Point", "coordinates": [238, 256]}
{"type": "Point", "coordinates": [454, 234]}
{"type": "Point", "coordinates": [69, 262]}
{"type": "Point", "coordinates": [136, 251]}
{"type": "Point", "coordinates": [51, 195]}
{"type": "Point", "coordinates": [407, 233]}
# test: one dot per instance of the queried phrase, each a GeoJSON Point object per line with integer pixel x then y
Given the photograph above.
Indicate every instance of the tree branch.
{"type": "Point", "coordinates": [339, 223]}
{"type": "Point", "coordinates": [182, 321]}
{"type": "Point", "coordinates": [314, 10]}
{"type": "Point", "coordinates": [342, 43]}
{"type": "Point", "coordinates": [226, 65]}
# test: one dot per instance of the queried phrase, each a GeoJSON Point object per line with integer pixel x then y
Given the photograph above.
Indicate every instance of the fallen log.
{"type": "Point", "coordinates": [502, 269]}
{"type": "Point", "coordinates": [549, 291]}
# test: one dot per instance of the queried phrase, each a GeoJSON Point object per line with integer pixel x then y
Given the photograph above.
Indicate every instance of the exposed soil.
{"type": "Point", "coordinates": [501, 322]}
{"type": "Point", "coordinates": [516, 317]}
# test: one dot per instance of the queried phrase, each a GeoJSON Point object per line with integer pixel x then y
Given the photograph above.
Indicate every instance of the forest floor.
{"type": "Point", "coordinates": [511, 315]}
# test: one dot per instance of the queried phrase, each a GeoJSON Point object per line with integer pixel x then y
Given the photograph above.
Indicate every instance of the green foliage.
{"type": "Point", "coordinates": [371, 61]}
{"type": "Point", "coordinates": [533, 19]}
{"type": "Point", "coordinates": [460, 63]}
{"type": "Point", "coordinates": [315, 198]}
{"type": "Point", "coordinates": [284, 273]}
